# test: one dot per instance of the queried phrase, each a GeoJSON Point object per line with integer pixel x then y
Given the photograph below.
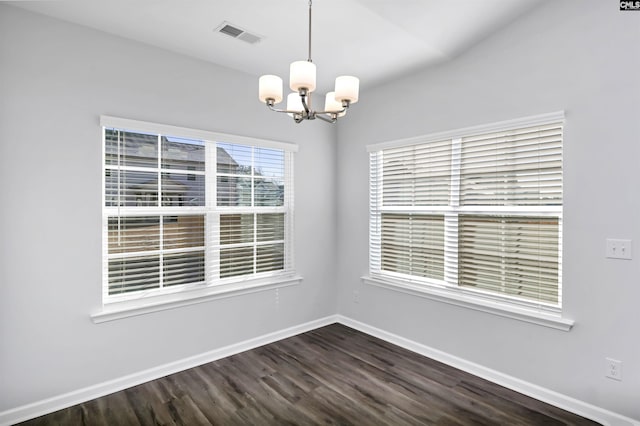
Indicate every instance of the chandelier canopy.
{"type": "Point", "coordinates": [302, 80]}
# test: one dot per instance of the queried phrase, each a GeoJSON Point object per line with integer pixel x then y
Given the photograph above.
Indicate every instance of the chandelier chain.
{"type": "Point", "coordinates": [309, 58]}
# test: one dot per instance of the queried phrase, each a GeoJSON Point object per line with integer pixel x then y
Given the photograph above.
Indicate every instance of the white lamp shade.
{"type": "Point", "coordinates": [331, 105]}
{"type": "Point", "coordinates": [347, 88]}
{"type": "Point", "coordinates": [294, 103]}
{"type": "Point", "coordinates": [270, 87]}
{"type": "Point", "coordinates": [302, 74]}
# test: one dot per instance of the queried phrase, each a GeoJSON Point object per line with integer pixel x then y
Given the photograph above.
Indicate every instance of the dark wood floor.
{"type": "Point", "coordinates": [332, 375]}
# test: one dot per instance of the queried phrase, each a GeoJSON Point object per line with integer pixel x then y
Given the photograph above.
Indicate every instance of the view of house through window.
{"type": "Point", "coordinates": [477, 213]}
{"type": "Point", "coordinates": [180, 213]}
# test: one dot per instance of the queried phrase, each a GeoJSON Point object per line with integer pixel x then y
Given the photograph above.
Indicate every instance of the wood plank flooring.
{"type": "Point", "coordinates": [332, 375]}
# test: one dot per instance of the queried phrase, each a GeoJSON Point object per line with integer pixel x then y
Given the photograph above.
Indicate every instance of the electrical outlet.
{"type": "Point", "coordinates": [613, 368]}
{"type": "Point", "coordinates": [618, 249]}
{"type": "Point", "coordinates": [356, 296]}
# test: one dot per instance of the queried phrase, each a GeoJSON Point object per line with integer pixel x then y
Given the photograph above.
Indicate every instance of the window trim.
{"type": "Point", "coordinates": [186, 297]}
{"type": "Point", "coordinates": [470, 131]}
{"type": "Point", "coordinates": [466, 299]}
{"type": "Point", "coordinates": [498, 304]}
{"type": "Point", "coordinates": [114, 307]}
{"type": "Point", "coordinates": [109, 121]}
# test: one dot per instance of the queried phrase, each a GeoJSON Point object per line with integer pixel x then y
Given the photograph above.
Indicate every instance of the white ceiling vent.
{"type": "Point", "coordinates": [234, 31]}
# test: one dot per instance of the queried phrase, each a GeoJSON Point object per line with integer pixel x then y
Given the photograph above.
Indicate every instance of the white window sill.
{"type": "Point", "coordinates": [129, 308]}
{"type": "Point", "coordinates": [444, 295]}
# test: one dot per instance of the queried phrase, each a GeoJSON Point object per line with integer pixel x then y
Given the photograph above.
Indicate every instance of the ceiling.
{"type": "Point", "coordinates": [374, 40]}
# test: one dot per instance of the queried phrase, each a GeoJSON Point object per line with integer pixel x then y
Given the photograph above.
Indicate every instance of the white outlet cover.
{"type": "Point", "coordinates": [613, 369]}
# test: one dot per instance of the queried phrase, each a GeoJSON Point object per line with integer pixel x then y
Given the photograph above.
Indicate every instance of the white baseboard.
{"type": "Point", "coordinates": [546, 395]}
{"type": "Point", "coordinates": [50, 405]}
{"type": "Point", "coordinates": [56, 403]}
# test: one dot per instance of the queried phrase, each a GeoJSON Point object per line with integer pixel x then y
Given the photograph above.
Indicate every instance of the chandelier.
{"type": "Point", "coordinates": [302, 80]}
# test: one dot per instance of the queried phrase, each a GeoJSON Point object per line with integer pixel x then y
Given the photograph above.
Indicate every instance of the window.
{"type": "Point", "coordinates": [186, 210]}
{"type": "Point", "coordinates": [474, 213]}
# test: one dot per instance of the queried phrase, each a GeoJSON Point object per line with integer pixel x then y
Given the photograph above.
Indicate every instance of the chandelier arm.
{"type": "Point", "coordinates": [304, 95]}
{"type": "Point", "coordinates": [332, 112]}
{"type": "Point", "coordinates": [323, 118]}
{"type": "Point", "coordinates": [281, 110]}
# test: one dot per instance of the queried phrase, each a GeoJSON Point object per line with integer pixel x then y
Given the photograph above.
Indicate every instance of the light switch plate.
{"type": "Point", "coordinates": [618, 249]}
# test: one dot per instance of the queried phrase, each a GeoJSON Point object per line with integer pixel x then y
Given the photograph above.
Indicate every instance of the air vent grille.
{"type": "Point", "coordinates": [231, 31]}
{"type": "Point", "coordinates": [238, 33]}
{"type": "Point", "coordinates": [249, 38]}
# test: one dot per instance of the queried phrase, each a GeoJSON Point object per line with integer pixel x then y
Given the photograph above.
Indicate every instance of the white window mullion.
{"type": "Point", "coordinates": [255, 243]}
{"type": "Point", "coordinates": [451, 248]}
{"type": "Point", "coordinates": [159, 171]}
{"type": "Point", "coordinates": [253, 177]}
{"type": "Point", "coordinates": [119, 180]}
{"type": "Point", "coordinates": [451, 217]}
{"type": "Point", "coordinates": [289, 255]}
{"type": "Point", "coordinates": [212, 220]}
{"type": "Point", "coordinates": [161, 221]}
{"type": "Point", "coordinates": [253, 213]}
{"type": "Point", "coordinates": [456, 156]}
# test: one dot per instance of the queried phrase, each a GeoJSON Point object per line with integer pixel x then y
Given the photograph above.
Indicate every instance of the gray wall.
{"type": "Point", "coordinates": [581, 57]}
{"type": "Point", "coordinates": [56, 79]}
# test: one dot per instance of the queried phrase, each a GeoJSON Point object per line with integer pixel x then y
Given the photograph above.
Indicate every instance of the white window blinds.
{"type": "Point", "coordinates": [519, 167]}
{"type": "Point", "coordinates": [418, 175]}
{"type": "Point", "coordinates": [512, 255]}
{"type": "Point", "coordinates": [182, 212]}
{"type": "Point", "coordinates": [413, 244]}
{"type": "Point", "coordinates": [478, 212]}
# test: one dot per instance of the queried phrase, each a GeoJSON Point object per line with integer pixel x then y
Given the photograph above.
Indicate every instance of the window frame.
{"type": "Point", "coordinates": [442, 290]}
{"type": "Point", "coordinates": [116, 306]}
